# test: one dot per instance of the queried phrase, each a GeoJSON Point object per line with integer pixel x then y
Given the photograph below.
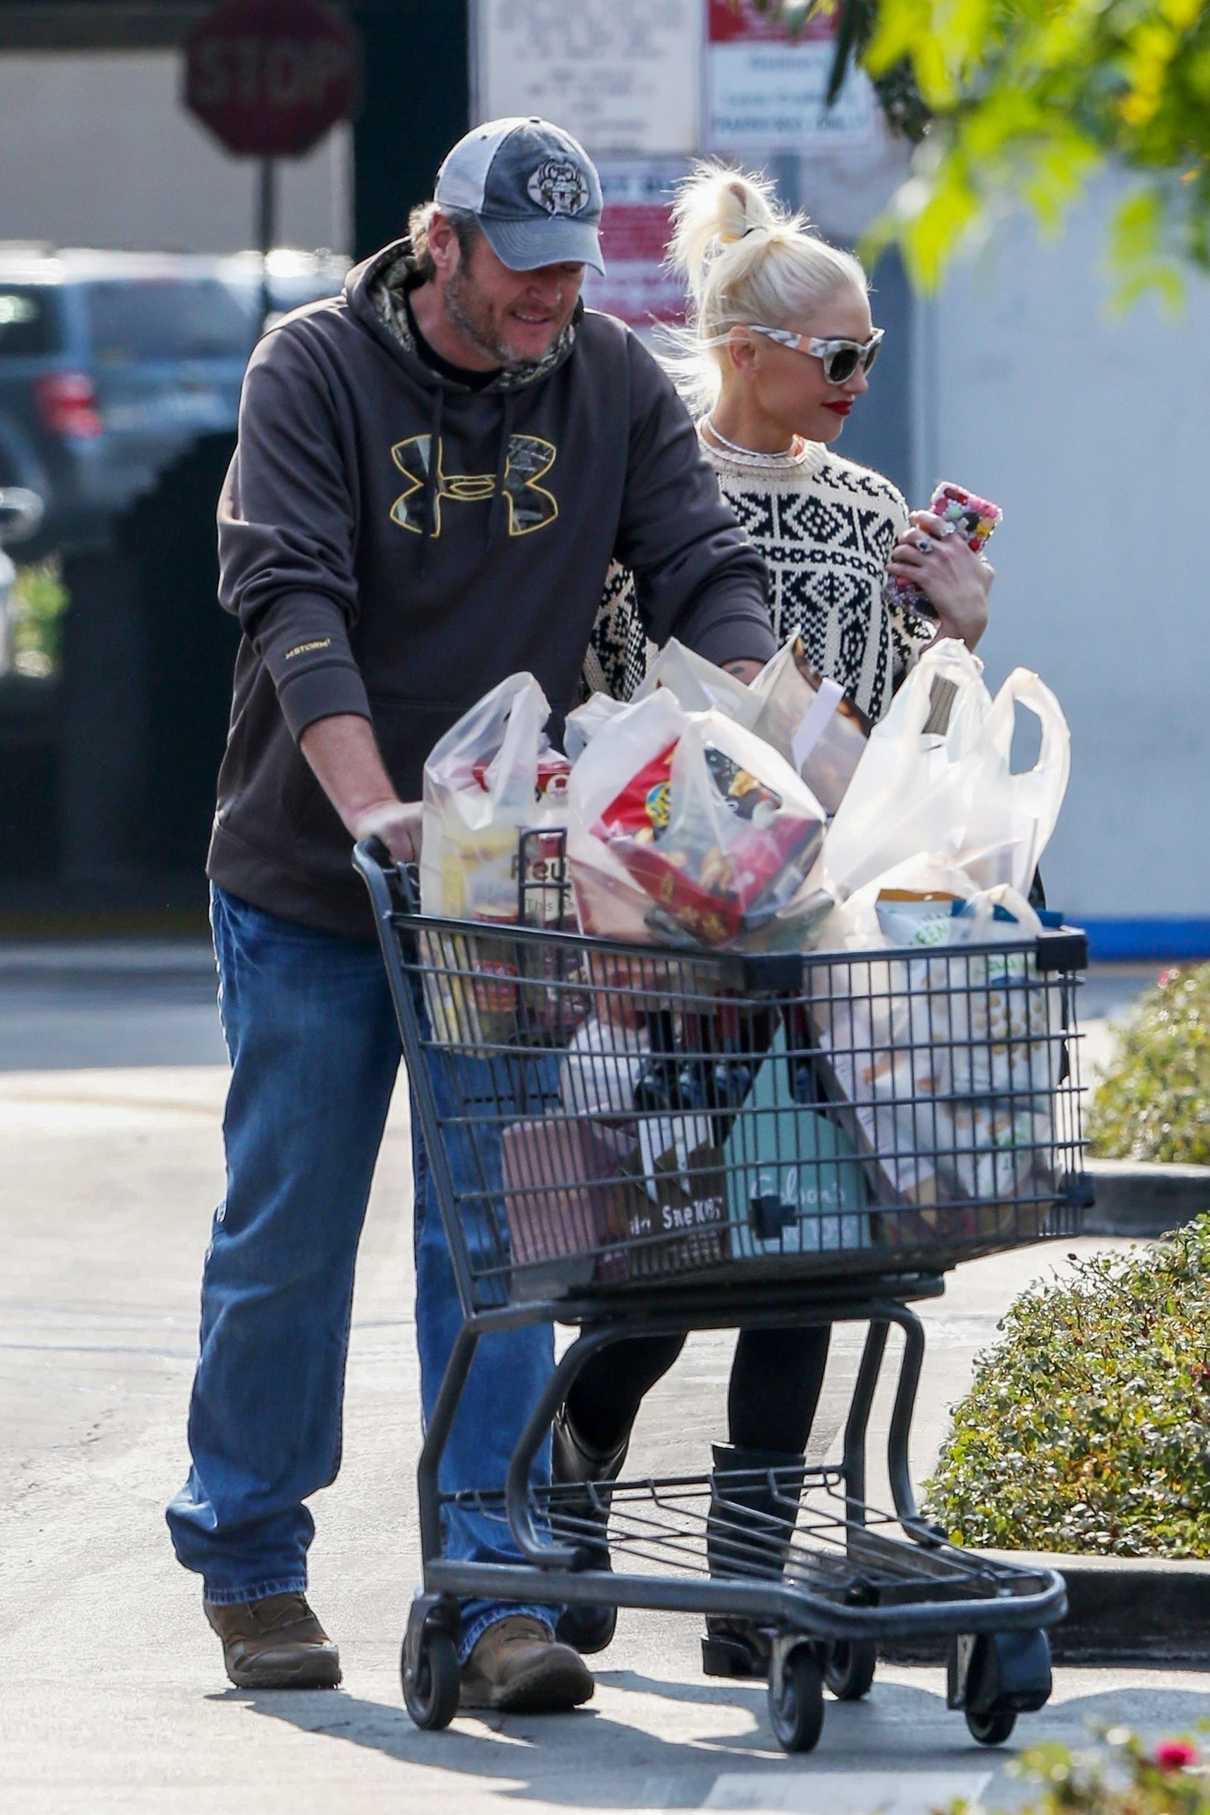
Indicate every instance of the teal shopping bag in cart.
{"type": "Point", "coordinates": [794, 1182]}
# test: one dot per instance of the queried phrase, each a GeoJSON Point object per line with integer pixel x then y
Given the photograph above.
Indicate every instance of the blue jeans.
{"type": "Point", "coordinates": [314, 1049]}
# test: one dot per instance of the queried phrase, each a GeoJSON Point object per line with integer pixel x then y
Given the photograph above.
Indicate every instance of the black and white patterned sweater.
{"type": "Point", "coordinates": [826, 529]}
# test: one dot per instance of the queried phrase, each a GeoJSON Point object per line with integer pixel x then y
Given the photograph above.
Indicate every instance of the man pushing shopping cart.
{"type": "Point", "coordinates": [433, 473]}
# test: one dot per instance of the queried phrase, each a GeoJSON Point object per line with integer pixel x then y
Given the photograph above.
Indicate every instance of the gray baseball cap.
{"type": "Point", "coordinates": [534, 189]}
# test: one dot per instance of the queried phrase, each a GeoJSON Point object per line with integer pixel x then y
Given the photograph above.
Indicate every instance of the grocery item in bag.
{"type": "Point", "coordinates": [491, 777]}
{"type": "Point", "coordinates": [810, 721]}
{"type": "Point", "coordinates": [943, 1063]}
{"type": "Point", "coordinates": [597, 1173]}
{"type": "Point", "coordinates": [692, 818]}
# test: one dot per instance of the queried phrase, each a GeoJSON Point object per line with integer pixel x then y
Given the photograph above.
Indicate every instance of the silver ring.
{"type": "Point", "coordinates": [925, 545]}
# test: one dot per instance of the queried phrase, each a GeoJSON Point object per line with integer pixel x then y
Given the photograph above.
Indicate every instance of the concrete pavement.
{"type": "Point", "coordinates": [114, 1697]}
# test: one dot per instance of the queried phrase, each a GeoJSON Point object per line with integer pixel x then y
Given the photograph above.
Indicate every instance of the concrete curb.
{"type": "Point", "coordinates": [1137, 1198]}
{"type": "Point", "coordinates": [1121, 1610]}
{"type": "Point", "coordinates": [26, 959]}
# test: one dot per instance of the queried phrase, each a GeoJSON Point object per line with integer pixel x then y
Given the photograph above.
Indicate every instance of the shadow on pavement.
{"type": "Point", "coordinates": [903, 1730]}
{"type": "Point", "coordinates": [565, 1760]}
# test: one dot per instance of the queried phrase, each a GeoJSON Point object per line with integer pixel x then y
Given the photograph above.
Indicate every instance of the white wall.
{"type": "Point", "coordinates": [96, 150]}
{"type": "Point", "coordinates": [1092, 432]}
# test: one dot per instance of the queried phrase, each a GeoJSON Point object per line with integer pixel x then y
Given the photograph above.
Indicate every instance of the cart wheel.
{"type": "Point", "coordinates": [849, 1671]}
{"type": "Point", "coordinates": [993, 1726]}
{"type": "Point", "coordinates": [431, 1692]}
{"type": "Point", "coordinates": [797, 1712]}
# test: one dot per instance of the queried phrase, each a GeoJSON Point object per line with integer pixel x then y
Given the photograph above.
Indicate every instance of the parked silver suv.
{"type": "Point", "coordinates": [110, 364]}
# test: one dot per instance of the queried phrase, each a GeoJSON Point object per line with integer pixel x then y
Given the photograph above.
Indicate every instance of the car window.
{"type": "Point", "coordinates": [164, 318]}
{"type": "Point", "coordinates": [27, 321]}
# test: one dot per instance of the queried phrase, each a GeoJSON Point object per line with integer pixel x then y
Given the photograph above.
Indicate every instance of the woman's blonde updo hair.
{"type": "Point", "coordinates": [744, 259]}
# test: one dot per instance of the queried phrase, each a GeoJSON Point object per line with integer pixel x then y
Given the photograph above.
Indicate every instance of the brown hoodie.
{"type": "Point", "coordinates": [395, 544]}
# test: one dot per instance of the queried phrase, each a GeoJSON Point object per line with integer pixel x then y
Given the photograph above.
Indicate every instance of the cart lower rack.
{"type": "Point", "coordinates": [642, 1141]}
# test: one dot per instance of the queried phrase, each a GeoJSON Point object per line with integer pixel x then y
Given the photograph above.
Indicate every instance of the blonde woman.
{"type": "Point", "coordinates": [779, 351]}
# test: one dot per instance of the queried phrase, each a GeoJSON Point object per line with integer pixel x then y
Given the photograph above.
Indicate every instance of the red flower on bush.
{"type": "Point", "coordinates": [1175, 1754]}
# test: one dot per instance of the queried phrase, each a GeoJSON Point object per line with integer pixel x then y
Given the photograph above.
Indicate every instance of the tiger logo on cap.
{"type": "Point", "coordinates": [559, 186]}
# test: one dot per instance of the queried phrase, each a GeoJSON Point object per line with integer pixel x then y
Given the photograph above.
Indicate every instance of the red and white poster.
{"type": "Point", "coordinates": [766, 86]}
{"type": "Point", "coordinates": [744, 23]}
{"type": "Point", "coordinates": [635, 229]}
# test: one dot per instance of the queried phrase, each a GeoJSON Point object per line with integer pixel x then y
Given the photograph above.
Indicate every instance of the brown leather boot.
{"type": "Point", "coordinates": [276, 1643]}
{"type": "Point", "coordinates": [517, 1665]}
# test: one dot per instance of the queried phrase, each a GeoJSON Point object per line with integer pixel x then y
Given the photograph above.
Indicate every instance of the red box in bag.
{"type": "Point", "coordinates": [719, 889]}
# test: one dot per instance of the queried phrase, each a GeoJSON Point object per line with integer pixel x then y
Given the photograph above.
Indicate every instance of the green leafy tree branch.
{"type": "Point", "coordinates": [1028, 99]}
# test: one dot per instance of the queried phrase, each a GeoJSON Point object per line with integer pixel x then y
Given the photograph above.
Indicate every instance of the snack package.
{"type": "Point", "coordinates": [943, 1065]}
{"type": "Point", "coordinates": [964, 515]}
{"type": "Point", "coordinates": [492, 776]}
{"type": "Point", "coordinates": [685, 827]}
{"type": "Point", "coordinates": [809, 720]}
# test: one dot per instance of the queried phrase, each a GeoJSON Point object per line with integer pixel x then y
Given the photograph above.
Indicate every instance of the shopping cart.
{"type": "Point", "coordinates": [655, 1140]}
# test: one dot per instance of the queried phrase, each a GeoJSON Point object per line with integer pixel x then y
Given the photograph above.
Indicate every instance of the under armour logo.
{"type": "Point", "coordinates": [530, 505]}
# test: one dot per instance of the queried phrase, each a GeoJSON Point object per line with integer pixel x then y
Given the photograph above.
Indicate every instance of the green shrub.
{"type": "Point", "coordinates": [1154, 1103]}
{"type": "Point", "coordinates": [38, 602]}
{"type": "Point", "coordinates": [1087, 1426]}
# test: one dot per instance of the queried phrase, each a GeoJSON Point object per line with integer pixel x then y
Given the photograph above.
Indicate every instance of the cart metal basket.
{"type": "Point", "coordinates": [640, 1140]}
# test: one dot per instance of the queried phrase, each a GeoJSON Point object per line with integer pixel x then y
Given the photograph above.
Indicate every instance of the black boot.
{"type": "Point", "coordinates": [748, 1533]}
{"type": "Point", "coordinates": [586, 1626]}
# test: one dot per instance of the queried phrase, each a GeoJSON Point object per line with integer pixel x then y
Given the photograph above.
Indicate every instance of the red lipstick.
{"type": "Point", "coordinates": [841, 409]}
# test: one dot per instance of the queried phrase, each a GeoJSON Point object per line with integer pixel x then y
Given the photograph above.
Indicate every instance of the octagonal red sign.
{"type": "Point", "coordinates": [270, 77]}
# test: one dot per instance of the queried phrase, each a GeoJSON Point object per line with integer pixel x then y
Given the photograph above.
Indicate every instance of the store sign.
{"type": "Point", "coordinates": [635, 230]}
{"type": "Point", "coordinates": [766, 88]}
{"type": "Point", "coordinates": [622, 75]}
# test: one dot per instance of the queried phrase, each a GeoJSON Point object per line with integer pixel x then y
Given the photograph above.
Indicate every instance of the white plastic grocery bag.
{"type": "Point", "coordinates": [908, 794]}
{"type": "Point", "coordinates": [808, 720]}
{"type": "Point", "coordinates": [944, 1062]}
{"type": "Point", "coordinates": [492, 776]}
{"type": "Point", "coordinates": [687, 828]}
{"type": "Point", "coordinates": [608, 900]}
{"type": "Point", "coordinates": [698, 686]}
{"type": "Point", "coordinates": [1010, 817]}
{"type": "Point", "coordinates": [940, 783]}
{"type": "Point", "coordinates": [582, 725]}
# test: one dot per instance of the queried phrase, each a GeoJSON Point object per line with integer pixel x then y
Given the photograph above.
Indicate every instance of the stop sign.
{"type": "Point", "coordinates": [269, 77]}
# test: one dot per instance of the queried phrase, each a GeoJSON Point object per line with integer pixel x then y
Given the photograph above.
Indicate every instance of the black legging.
{"type": "Point", "coordinates": [776, 1378]}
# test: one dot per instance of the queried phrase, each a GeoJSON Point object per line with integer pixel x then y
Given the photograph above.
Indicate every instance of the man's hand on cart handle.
{"type": "Point", "coordinates": [344, 755]}
{"type": "Point", "coordinates": [397, 823]}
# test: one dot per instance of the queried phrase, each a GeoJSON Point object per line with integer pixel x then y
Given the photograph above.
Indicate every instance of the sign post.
{"type": "Point", "coordinates": [269, 78]}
